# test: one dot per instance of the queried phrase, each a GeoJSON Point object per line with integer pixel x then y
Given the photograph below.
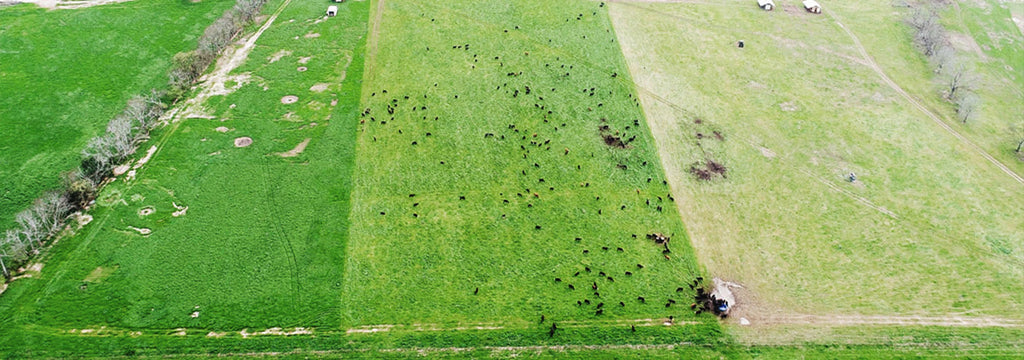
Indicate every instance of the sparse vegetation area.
{"type": "Point", "coordinates": [567, 179]}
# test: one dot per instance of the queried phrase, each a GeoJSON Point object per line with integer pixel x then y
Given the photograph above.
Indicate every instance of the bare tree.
{"type": "Point", "coordinates": [928, 31]}
{"type": "Point", "coordinates": [967, 106]}
{"type": "Point", "coordinates": [1018, 135]}
{"type": "Point", "coordinates": [959, 78]}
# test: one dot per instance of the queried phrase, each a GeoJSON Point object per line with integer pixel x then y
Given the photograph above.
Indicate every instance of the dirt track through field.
{"type": "Point", "coordinates": [901, 320]}
{"type": "Point", "coordinates": [372, 40]}
{"type": "Point", "coordinates": [885, 78]}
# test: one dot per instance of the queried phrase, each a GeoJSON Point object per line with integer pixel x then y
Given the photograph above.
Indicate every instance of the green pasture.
{"type": "Point", "coordinates": [65, 73]}
{"type": "Point", "coordinates": [461, 171]}
{"type": "Point", "coordinates": [479, 202]}
{"type": "Point", "coordinates": [262, 243]}
{"type": "Point", "coordinates": [928, 228]}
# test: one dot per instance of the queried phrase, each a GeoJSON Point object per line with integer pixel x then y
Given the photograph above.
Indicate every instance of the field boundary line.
{"type": "Point", "coordinates": [892, 84]}
{"type": "Point", "coordinates": [902, 320]}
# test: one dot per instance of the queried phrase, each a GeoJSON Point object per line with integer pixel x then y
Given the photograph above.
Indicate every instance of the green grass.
{"type": "Point", "coordinates": [410, 263]}
{"type": "Point", "coordinates": [262, 243]}
{"type": "Point", "coordinates": [301, 242]}
{"type": "Point", "coordinates": [785, 223]}
{"type": "Point", "coordinates": [66, 73]}
{"type": "Point", "coordinates": [998, 66]}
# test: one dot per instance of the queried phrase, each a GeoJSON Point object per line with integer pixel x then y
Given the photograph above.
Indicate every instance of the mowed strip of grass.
{"type": "Point", "coordinates": [929, 227]}
{"type": "Point", "coordinates": [262, 241]}
{"type": "Point", "coordinates": [65, 73]}
{"type": "Point", "coordinates": [485, 192]}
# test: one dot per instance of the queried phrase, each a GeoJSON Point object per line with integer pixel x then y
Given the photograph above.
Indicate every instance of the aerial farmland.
{"type": "Point", "coordinates": [533, 178]}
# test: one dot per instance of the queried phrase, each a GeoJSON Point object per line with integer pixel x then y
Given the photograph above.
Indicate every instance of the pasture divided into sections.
{"type": "Point", "coordinates": [211, 236]}
{"type": "Point", "coordinates": [503, 161]}
{"type": "Point", "coordinates": [925, 230]}
{"type": "Point", "coordinates": [66, 73]}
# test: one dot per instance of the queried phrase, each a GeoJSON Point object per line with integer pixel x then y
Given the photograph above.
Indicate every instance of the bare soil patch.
{"type": "Point", "coordinates": [788, 106]}
{"type": "Point", "coordinates": [289, 99]}
{"type": "Point", "coordinates": [278, 55]}
{"type": "Point", "coordinates": [222, 129]}
{"type": "Point", "coordinates": [297, 150]}
{"type": "Point", "coordinates": [312, 35]}
{"type": "Point", "coordinates": [321, 87]}
{"type": "Point", "coordinates": [304, 60]}
{"type": "Point", "coordinates": [301, 69]}
{"type": "Point", "coordinates": [243, 141]}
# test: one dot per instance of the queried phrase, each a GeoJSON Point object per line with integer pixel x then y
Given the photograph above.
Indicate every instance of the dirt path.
{"type": "Point", "coordinates": [903, 320]}
{"type": "Point", "coordinates": [371, 42]}
{"type": "Point", "coordinates": [213, 83]}
{"type": "Point", "coordinates": [888, 81]}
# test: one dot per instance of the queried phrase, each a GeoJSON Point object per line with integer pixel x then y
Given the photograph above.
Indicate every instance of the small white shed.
{"type": "Point", "coordinates": [767, 5]}
{"type": "Point", "coordinates": [332, 10]}
{"type": "Point", "coordinates": [812, 6]}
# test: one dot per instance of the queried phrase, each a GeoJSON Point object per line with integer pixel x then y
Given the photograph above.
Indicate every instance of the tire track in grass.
{"type": "Point", "coordinates": [371, 43]}
{"type": "Point", "coordinates": [892, 84]}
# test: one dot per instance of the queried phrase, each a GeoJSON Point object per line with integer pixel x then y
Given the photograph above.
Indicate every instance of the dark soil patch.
{"type": "Point", "coordinates": [614, 141]}
{"type": "Point", "coordinates": [707, 170]}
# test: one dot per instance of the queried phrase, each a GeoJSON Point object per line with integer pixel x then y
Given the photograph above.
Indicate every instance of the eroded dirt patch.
{"type": "Point", "coordinates": [243, 141]}
{"type": "Point", "coordinates": [297, 150]}
{"type": "Point", "coordinates": [289, 99]}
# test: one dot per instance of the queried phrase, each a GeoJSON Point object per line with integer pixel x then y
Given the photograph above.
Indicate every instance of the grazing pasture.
{"type": "Point", "coordinates": [505, 174]}
{"type": "Point", "coordinates": [65, 73]}
{"type": "Point", "coordinates": [497, 179]}
{"type": "Point", "coordinates": [925, 230]}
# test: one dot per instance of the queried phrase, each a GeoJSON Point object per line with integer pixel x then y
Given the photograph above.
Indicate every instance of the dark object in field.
{"type": "Point", "coordinates": [476, 291]}
{"type": "Point", "coordinates": [605, 248]}
{"type": "Point", "coordinates": [572, 287]}
{"type": "Point", "coordinates": [551, 333]}
{"type": "Point", "coordinates": [679, 289]}
{"type": "Point", "coordinates": [622, 166]}
{"type": "Point", "coordinates": [487, 135]}
{"type": "Point", "coordinates": [641, 298]}
{"type": "Point", "coordinates": [614, 141]}
{"type": "Point", "coordinates": [739, 44]}
{"type": "Point", "coordinates": [542, 319]}
{"type": "Point", "coordinates": [382, 213]}
{"type": "Point", "coordinates": [629, 273]}
{"type": "Point", "coordinates": [600, 305]}
{"type": "Point", "coordinates": [537, 227]}
{"type": "Point", "coordinates": [622, 304]}
{"type": "Point", "coordinates": [576, 274]}
{"type": "Point", "coordinates": [619, 249]}
{"type": "Point", "coordinates": [659, 238]}
{"type": "Point", "coordinates": [610, 279]}
{"type": "Point", "coordinates": [578, 239]}
{"type": "Point", "coordinates": [601, 273]}
{"type": "Point", "coordinates": [599, 312]}
{"type": "Point", "coordinates": [707, 169]}
{"type": "Point", "coordinates": [638, 266]}
{"type": "Point", "coordinates": [560, 279]}
{"type": "Point", "coordinates": [462, 198]}
{"type": "Point", "coordinates": [412, 195]}
{"type": "Point", "coordinates": [633, 327]}
{"type": "Point", "coordinates": [594, 285]}
{"type": "Point", "coordinates": [586, 268]}
{"type": "Point", "coordinates": [586, 301]}
{"type": "Point", "coordinates": [585, 251]}
{"type": "Point", "coordinates": [579, 303]}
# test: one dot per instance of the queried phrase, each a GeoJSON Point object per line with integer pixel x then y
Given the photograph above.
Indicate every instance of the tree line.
{"type": "Point", "coordinates": [49, 213]}
{"type": "Point", "coordinates": [958, 79]}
